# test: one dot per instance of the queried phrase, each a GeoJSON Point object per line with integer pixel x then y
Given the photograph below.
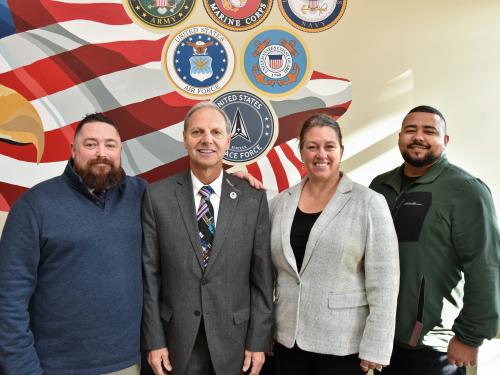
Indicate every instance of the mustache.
{"type": "Point", "coordinates": [100, 160]}
{"type": "Point", "coordinates": [420, 144]}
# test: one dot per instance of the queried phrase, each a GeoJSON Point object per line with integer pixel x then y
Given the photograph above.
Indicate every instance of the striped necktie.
{"type": "Point", "coordinates": [206, 224]}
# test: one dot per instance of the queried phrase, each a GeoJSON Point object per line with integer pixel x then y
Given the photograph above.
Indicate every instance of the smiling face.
{"type": "Point", "coordinates": [206, 140]}
{"type": "Point", "coordinates": [422, 139]}
{"type": "Point", "coordinates": [321, 153]}
{"type": "Point", "coordinates": [96, 155]}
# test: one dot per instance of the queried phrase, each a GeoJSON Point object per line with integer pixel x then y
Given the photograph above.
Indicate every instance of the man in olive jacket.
{"type": "Point", "coordinates": [449, 253]}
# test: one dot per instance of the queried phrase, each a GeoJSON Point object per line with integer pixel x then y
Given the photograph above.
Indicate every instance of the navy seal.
{"type": "Point", "coordinates": [312, 16]}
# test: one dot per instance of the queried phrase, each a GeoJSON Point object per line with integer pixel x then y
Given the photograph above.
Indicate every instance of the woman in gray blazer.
{"type": "Point", "coordinates": [335, 254]}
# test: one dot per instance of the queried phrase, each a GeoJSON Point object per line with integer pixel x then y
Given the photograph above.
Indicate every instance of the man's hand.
{"type": "Point", "coordinates": [157, 358]}
{"type": "Point", "coordinates": [367, 365]}
{"type": "Point", "coordinates": [255, 359]}
{"type": "Point", "coordinates": [460, 354]}
{"type": "Point", "coordinates": [251, 179]}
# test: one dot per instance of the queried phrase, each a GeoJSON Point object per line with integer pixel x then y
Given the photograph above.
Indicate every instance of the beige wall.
{"type": "Point", "coordinates": [399, 54]}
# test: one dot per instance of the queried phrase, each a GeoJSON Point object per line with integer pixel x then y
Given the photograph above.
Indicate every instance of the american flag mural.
{"type": "Point", "coordinates": [63, 59]}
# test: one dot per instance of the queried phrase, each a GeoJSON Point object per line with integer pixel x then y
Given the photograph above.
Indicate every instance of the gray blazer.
{"type": "Point", "coordinates": [343, 300]}
{"type": "Point", "coordinates": [233, 294]}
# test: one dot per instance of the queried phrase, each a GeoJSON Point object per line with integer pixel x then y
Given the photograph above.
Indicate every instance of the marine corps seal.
{"type": "Point", "coordinates": [275, 62]}
{"type": "Point", "coordinates": [252, 126]}
{"type": "Point", "coordinates": [159, 14]}
{"type": "Point", "coordinates": [199, 60]}
{"type": "Point", "coordinates": [312, 15]}
{"type": "Point", "coordinates": [238, 15]}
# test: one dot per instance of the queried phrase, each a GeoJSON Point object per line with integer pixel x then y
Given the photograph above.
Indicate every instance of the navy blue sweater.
{"type": "Point", "coordinates": [70, 279]}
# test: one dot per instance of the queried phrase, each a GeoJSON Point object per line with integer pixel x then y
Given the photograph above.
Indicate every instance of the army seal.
{"type": "Point", "coordinates": [159, 14]}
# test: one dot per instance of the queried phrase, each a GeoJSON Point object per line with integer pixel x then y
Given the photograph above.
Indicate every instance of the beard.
{"type": "Point", "coordinates": [428, 159]}
{"type": "Point", "coordinates": [99, 177]}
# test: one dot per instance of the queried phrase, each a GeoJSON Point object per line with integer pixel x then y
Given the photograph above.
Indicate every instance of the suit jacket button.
{"type": "Point", "coordinates": [197, 312]}
{"type": "Point", "coordinates": [204, 282]}
{"type": "Point", "coordinates": [298, 282]}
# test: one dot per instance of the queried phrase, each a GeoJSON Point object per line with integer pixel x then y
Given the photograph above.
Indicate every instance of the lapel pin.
{"type": "Point", "coordinates": [233, 195]}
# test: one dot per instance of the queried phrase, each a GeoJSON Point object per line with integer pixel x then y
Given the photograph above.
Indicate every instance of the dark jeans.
{"type": "Point", "coordinates": [420, 362]}
{"type": "Point", "coordinates": [296, 361]}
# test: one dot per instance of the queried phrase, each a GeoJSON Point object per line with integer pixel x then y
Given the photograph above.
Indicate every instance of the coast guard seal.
{"type": "Point", "coordinates": [238, 15]}
{"type": "Point", "coordinates": [312, 15]}
{"type": "Point", "coordinates": [275, 62]}
{"type": "Point", "coordinates": [252, 126]}
{"type": "Point", "coordinates": [159, 14]}
{"type": "Point", "coordinates": [199, 60]}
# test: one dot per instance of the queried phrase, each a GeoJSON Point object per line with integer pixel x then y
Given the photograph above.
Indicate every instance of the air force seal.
{"type": "Point", "coordinates": [252, 126]}
{"type": "Point", "coordinates": [238, 15]}
{"type": "Point", "coordinates": [275, 62]}
{"type": "Point", "coordinates": [159, 14]}
{"type": "Point", "coordinates": [199, 60]}
{"type": "Point", "coordinates": [313, 15]}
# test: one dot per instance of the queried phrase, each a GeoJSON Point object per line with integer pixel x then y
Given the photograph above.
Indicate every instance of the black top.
{"type": "Point", "coordinates": [301, 227]}
{"type": "Point", "coordinates": [407, 180]}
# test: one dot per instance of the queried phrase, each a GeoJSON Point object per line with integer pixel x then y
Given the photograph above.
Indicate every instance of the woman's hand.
{"type": "Point", "coordinates": [367, 365]}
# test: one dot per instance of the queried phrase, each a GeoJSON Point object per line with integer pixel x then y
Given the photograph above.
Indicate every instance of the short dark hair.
{"type": "Point", "coordinates": [429, 109]}
{"type": "Point", "coordinates": [94, 117]}
{"type": "Point", "coordinates": [320, 120]}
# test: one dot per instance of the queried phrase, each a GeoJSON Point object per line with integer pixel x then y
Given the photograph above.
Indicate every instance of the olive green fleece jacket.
{"type": "Point", "coordinates": [449, 250]}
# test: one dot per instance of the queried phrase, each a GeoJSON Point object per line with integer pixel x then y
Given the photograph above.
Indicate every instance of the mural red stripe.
{"type": "Point", "coordinates": [166, 170]}
{"type": "Point", "coordinates": [132, 121]}
{"type": "Point", "coordinates": [254, 170]}
{"type": "Point", "coordinates": [43, 13]}
{"type": "Point", "coordinates": [9, 194]}
{"type": "Point", "coordinates": [278, 170]}
{"type": "Point", "coordinates": [319, 75]}
{"type": "Point", "coordinates": [4, 206]}
{"type": "Point", "coordinates": [80, 65]}
{"type": "Point", "coordinates": [287, 150]}
{"type": "Point", "coordinates": [153, 114]}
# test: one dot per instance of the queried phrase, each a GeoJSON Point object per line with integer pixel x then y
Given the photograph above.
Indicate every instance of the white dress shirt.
{"type": "Point", "coordinates": [216, 185]}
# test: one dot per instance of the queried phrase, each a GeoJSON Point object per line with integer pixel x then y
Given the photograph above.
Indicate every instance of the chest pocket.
{"type": "Point", "coordinates": [409, 213]}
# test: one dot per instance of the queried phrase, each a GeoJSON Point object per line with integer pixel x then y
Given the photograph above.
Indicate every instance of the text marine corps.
{"type": "Point", "coordinates": [235, 21]}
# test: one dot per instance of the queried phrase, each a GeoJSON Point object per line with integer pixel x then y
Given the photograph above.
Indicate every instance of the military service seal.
{"type": "Point", "coordinates": [312, 15]}
{"type": "Point", "coordinates": [252, 126]}
{"type": "Point", "coordinates": [275, 62]}
{"type": "Point", "coordinates": [199, 60]}
{"type": "Point", "coordinates": [159, 14]}
{"type": "Point", "coordinates": [238, 15]}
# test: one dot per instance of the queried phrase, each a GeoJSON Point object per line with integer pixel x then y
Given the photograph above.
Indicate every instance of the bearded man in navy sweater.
{"type": "Point", "coordinates": [70, 266]}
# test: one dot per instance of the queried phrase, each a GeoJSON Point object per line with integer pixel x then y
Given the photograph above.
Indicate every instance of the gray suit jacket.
{"type": "Point", "coordinates": [343, 300]}
{"type": "Point", "coordinates": [233, 294]}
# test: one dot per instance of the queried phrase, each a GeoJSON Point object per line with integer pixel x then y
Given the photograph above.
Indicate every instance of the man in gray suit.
{"type": "Point", "coordinates": [206, 261]}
